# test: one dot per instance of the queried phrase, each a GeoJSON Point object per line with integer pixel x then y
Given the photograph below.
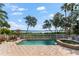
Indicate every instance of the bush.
{"type": "Point", "coordinates": [76, 29]}
{"type": "Point", "coordinates": [5, 31]}
{"type": "Point", "coordinates": [58, 33]}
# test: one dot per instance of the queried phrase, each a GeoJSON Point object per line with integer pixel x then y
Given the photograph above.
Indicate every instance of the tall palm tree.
{"type": "Point", "coordinates": [65, 8]}
{"type": "Point", "coordinates": [76, 28]}
{"type": "Point", "coordinates": [1, 5]}
{"type": "Point", "coordinates": [3, 14]}
{"type": "Point", "coordinates": [71, 6]}
{"type": "Point", "coordinates": [30, 21]}
{"type": "Point", "coordinates": [4, 24]}
{"type": "Point", "coordinates": [47, 25]}
{"type": "Point", "coordinates": [56, 21]}
{"type": "Point", "coordinates": [72, 16]}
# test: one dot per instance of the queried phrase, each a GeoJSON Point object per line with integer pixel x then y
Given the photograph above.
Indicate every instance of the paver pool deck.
{"type": "Point", "coordinates": [11, 49]}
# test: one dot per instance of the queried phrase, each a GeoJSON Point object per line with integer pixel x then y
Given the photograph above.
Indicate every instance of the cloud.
{"type": "Point", "coordinates": [44, 11]}
{"type": "Point", "coordinates": [15, 8]}
{"type": "Point", "coordinates": [19, 20]}
{"type": "Point", "coordinates": [51, 15]}
{"type": "Point", "coordinates": [21, 9]}
{"type": "Point", "coordinates": [18, 9]}
{"type": "Point", "coordinates": [17, 13]}
{"type": "Point", "coordinates": [41, 8]}
{"type": "Point", "coordinates": [14, 25]}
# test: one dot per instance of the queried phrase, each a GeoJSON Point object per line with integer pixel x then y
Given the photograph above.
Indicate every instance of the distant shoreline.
{"type": "Point", "coordinates": [38, 31]}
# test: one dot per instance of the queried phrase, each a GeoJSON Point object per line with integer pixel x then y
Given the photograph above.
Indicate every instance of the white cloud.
{"type": "Point", "coordinates": [41, 8]}
{"type": "Point", "coordinates": [20, 20]}
{"type": "Point", "coordinates": [14, 25]}
{"type": "Point", "coordinates": [18, 9]}
{"type": "Point", "coordinates": [17, 13]}
{"type": "Point", "coordinates": [14, 7]}
{"type": "Point", "coordinates": [21, 9]}
{"type": "Point", "coordinates": [44, 11]}
{"type": "Point", "coordinates": [51, 15]}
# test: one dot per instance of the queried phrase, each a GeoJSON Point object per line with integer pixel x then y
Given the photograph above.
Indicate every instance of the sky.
{"type": "Point", "coordinates": [42, 11]}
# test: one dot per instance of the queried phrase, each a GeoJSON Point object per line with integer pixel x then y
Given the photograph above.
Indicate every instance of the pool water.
{"type": "Point", "coordinates": [37, 42]}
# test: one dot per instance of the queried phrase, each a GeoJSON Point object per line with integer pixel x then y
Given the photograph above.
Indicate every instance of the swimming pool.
{"type": "Point", "coordinates": [37, 42]}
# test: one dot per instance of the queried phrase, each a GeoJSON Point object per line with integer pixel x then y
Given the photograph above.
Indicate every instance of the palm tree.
{"type": "Point", "coordinates": [3, 14]}
{"type": "Point", "coordinates": [65, 8]}
{"type": "Point", "coordinates": [72, 16]}
{"type": "Point", "coordinates": [4, 24]}
{"type": "Point", "coordinates": [71, 6]}
{"type": "Point", "coordinates": [30, 21]}
{"type": "Point", "coordinates": [47, 25]}
{"type": "Point", "coordinates": [76, 28]}
{"type": "Point", "coordinates": [1, 5]}
{"type": "Point", "coordinates": [56, 21]}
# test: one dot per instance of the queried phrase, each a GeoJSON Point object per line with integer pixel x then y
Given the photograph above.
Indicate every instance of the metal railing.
{"type": "Point", "coordinates": [42, 36]}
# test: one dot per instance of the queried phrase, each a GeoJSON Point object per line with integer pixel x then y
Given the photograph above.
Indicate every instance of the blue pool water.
{"type": "Point", "coordinates": [37, 42]}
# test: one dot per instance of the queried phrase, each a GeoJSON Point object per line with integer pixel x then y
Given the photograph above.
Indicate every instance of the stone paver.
{"type": "Point", "coordinates": [11, 49]}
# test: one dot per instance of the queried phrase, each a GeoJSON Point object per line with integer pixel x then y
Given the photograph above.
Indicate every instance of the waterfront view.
{"type": "Point", "coordinates": [39, 29]}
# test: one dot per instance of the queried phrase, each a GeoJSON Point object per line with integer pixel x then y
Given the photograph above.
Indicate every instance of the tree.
{"type": "Point", "coordinates": [30, 21]}
{"type": "Point", "coordinates": [65, 8]}
{"type": "Point", "coordinates": [56, 21]}
{"type": "Point", "coordinates": [71, 6]}
{"type": "Point", "coordinates": [1, 5]}
{"type": "Point", "coordinates": [3, 14]}
{"type": "Point", "coordinates": [47, 25]}
{"type": "Point", "coordinates": [5, 24]}
{"type": "Point", "coordinates": [5, 31]}
{"type": "Point", "coordinates": [72, 17]}
{"type": "Point", "coordinates": [76, 28]}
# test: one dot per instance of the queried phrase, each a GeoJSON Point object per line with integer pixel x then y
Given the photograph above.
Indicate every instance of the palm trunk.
{"type": "Point", "coordinates": [66, 18]}
{"type": "Point", "coordinates": [65, 14]}
{"type": "Point", "coordinates": [27, 28]}
{"type": "Point", "coordinates": [50, 30]}
{"type": "Point", "coordinates": [71, 23]}
{"type": "Point", "coordinates": [56, 31]}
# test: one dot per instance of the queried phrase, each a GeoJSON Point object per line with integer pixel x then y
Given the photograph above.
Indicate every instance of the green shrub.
{"type": "Point", "coordinates": [76, 29]}
{"type": "Point", "coordinates": [57, 33]}
{"type": "Point", "coordinates": [6, 31]}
